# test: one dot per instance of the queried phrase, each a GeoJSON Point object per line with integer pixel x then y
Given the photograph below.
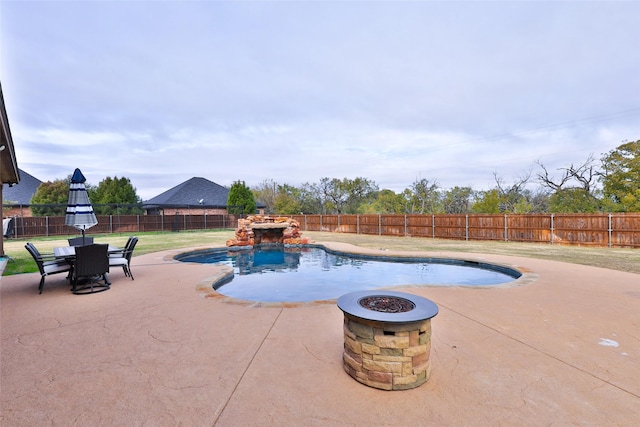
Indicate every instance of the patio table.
{"type": "Point", "coordinates": [69, 252]}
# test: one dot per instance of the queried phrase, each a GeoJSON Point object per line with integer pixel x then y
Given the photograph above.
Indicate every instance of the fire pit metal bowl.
{"type": "Point", "coordinates": [423, 308]}
{"type": "Point", "coordinates": [387, 338]}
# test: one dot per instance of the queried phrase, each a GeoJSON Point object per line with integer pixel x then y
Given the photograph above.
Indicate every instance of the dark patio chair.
{"type": "Point", "coordinates": [123, 259]}
{"type": "Point", "coordinates": [48, 264]}
{"type": "Point", "coordinates": [90, 269]}
{"type": "Point", "coordinates": [80, 241]}
{"type": "Point", "coordinates": [120, 254]}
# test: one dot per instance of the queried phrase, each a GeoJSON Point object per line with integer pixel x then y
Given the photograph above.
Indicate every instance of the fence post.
{"type": "Point", "coordinates": [379, 224]}
{"type": "Point", "coordinates": [433, 226]}
{"type": "Point", "coordinates": [610, 231]}
{"type": "Point", "coordinates": [466, 227]}
{"type": "Point", "coordinates": [338, 222]}
{"type": "Point", "coordinates": [110, 223]}
{"type": "Point", "coordinates": [321, 222]}
{"type": "Point", "coordinates": [506, 228]}
{"type": "Point", "coordinates": [46, 222]}
{"type": "Point", "coordinates": [552, 229]}
{"type": "Point", "coordinates": [405, 225]}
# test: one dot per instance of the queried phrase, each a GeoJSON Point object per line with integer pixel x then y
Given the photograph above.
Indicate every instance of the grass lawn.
{"type": "Point", "coordinates": [616, 259]}
{"type": "Point", "coordinates": [22, 262]}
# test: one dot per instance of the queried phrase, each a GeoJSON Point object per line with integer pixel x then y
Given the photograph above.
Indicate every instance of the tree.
{"type": "Point", "coordinates": [288, 200]}
{"type": "Point", "coordinates": [333, 195]}
{"type": "Point", "coordinates": [359, 191]}
{"type": "Point", "coordinates": [513, 198]}
{"type": "Point", "coordinates": [458, 200]}
{"type": "Point", "coordinates": [241, 199]}
{"type": "Point", "coordinates": [573, 200]}
{"type": "Point", "coordinates": [54, 193]}
{"type": "Point", "coordinates": [387, 202]}
{"type": "Point", "coordinates": [267, 192]}
{"type": "Point", "coordinates": [487, 202]}
{"type": "Point", "coordinates": [346, 195]}
{"type": "Point", "coordinates": [115, 196]}
{"type": "Point", "coordinates": [539, 200]}
{"type": "Point", "coordinates": [574, 190]}
{"type": "Point", "coordinates": [582, 176]}
{"type": "Point", "coordinates": [311, 199]}
{"type": "Point", "coordinates": [426, 196]}
{"type": "Point", "coordinates": [621, 177]}
{"type": "Point", "coordinates": [407, 200]}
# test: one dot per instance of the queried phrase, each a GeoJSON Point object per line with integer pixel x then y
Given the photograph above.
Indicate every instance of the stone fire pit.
{"type": "Point", "coordinates": [387, 338]}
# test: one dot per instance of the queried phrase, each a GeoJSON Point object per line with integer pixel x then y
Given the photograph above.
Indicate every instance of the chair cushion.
{"type": "Point", "coordinates": [115, 262]}
{"type": "Point", "coordinates": [58, 261]}
{"type": "Point", "coordinates": [56, 267]}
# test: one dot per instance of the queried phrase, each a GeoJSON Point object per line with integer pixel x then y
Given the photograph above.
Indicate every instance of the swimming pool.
{"type": "Point", "coordinates": [301, 274]}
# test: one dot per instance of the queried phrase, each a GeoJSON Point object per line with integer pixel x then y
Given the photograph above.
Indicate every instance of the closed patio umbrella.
{"type": "Point", "coordinates": [79, 210]}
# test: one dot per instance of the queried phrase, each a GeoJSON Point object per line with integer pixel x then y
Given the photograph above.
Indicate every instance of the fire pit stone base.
{"type": "Point", "coordinates": [387, 338]}
{"type": "Point", "coordinates": [387, 356]}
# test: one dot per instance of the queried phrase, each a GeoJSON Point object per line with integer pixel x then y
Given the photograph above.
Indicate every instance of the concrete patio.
{"type": "Point", "coordinates": [560, 346]}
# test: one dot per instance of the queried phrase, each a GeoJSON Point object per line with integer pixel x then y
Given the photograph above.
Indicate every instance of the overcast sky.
{"type": "Point", "coordinates": [295, 91]}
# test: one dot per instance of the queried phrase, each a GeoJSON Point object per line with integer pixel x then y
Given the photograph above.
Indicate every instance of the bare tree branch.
{"type": "Point", "coordinates": [585, 174]}
{"type": "Point", "coordinates": [549, 181]}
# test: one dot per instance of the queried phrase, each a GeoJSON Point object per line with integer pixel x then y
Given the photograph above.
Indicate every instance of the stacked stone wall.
{"type": "Point", "coordinates": [245, 234]}
{"type": "Point", "coordinates": [387, 356]}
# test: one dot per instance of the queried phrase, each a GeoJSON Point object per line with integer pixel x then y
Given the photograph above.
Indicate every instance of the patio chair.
{"type": "Point", "coordinates": [123, 259]}
{"type": "Point", "coordinates": [120, 254]}
{"type": "Point", "coordinates": [90, 269]}
{"type": "Point", "coordinates": [48, 264]}
{"type": "Point", "coordinates": [7, 227]}
{"type": "Point", "coordinates": [79, 241]}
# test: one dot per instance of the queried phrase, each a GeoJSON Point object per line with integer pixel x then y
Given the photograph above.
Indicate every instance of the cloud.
{"type": "Point", "coordinates": [296, 91]}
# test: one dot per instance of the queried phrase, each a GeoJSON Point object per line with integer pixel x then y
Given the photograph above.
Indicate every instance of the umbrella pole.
{"type": "Point", "coordinates": [83, 242]}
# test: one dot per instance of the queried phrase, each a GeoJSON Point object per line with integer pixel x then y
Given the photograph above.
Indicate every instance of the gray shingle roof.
{"type": "Point", "coordinates": [22, 192]}
{"type": "Point", "coordinates": [193, 192]}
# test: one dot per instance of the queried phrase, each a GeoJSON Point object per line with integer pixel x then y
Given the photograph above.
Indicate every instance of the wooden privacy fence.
{"type": "Point", "coordinates": [126, 224]}
{"type": "Point", "coordinates": [612, 230]}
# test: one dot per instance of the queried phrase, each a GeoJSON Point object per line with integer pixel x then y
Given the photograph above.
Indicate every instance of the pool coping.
{"type": "Point", "coordinates": [205, 286]}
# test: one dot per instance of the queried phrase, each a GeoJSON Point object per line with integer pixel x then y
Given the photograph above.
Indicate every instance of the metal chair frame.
{"type": "Point", "coordinates": [123, 259]}
{"type": "Point", "coordinates": [48, 264]}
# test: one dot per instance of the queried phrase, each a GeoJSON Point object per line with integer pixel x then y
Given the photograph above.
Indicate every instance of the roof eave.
{"type": "Point", "coordinates": [8, 164]}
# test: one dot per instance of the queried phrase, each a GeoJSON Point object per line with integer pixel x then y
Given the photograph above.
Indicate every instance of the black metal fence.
{"type": "Point", "coordinates": [126, 224]}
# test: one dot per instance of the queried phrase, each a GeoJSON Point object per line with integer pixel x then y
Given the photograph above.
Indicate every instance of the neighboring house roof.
{"type": "Point", "coordinates": [195, 192]}
{"type": "Point", "coordinates": [22, 192]}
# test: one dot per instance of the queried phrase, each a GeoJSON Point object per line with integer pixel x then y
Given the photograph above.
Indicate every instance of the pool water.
{"type": "Point", "coordinates": [301, 274]}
